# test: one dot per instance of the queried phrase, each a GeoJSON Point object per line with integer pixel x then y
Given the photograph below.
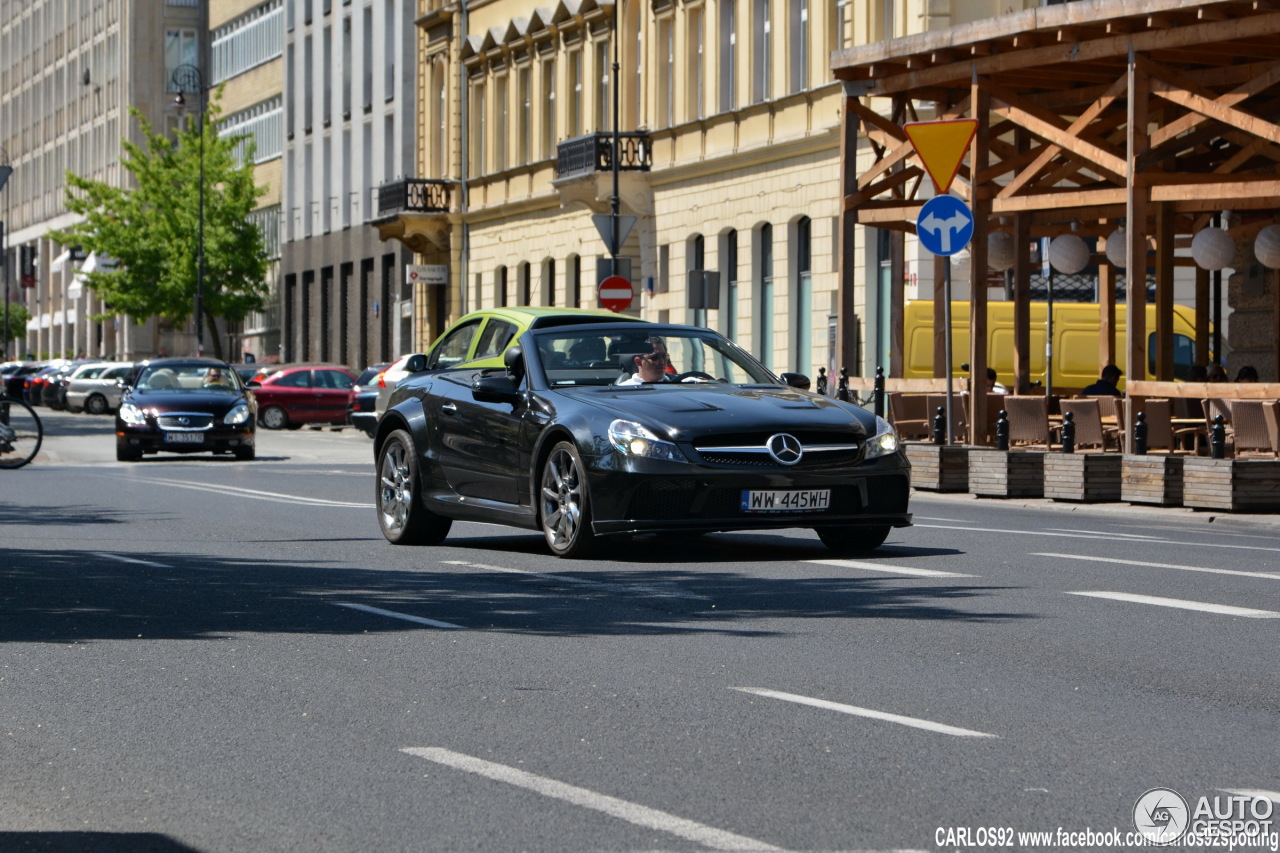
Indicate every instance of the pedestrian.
{"type": "Point", "coordinates": [1247, 373]}
{"type": "Point", "coordinates": [993, 386]}
{"type": "Point", "coordinates": [1106, 384]}
{"type": "Point", "coordinates": [1217, 373]}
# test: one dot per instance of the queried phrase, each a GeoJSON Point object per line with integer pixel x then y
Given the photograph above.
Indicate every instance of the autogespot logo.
{"type": "Point", "coordinates": [785, 449]}
{"type": "Point", "coordinates": [1161, 815]}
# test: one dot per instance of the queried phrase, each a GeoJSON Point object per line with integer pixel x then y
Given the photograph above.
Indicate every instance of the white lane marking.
{"type": "Point", "coordinates": [952, 520]}
{"type": "Point", "coordinates": [893, 570]}
{"type": "Point", "coordinates": [1264, 575]}
{"type": "Point", "coordinates": [253, 494]}
{"type": "Point", "coordinates": [1251, 793]}
{"type": "Point", "coordinates": [394, 615]}
{"type": "Point", "coordinates": [1221, 609]}
{"type": "Point", "coordinates": [1093, 536]}
{"type": "Point", "coordinates": [665, 592]}
{"type": "Point", "coordinates": [131, 560]}
{"type": "Point", "coordinates": [1095, 533]}
{"type": "Point", "coordinates": [913, 722]}
{"type": "Point", "coordinates": [707, 836]}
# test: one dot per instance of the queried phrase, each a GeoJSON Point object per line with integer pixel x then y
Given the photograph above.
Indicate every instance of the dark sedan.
{"type": "Point", "coordinates": [633, 428]}
{"type": "Point", "coordinates": [185, 405]}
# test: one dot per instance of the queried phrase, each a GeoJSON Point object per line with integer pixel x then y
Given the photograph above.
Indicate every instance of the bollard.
{"type": "Point", "coordinates": [1069, 433]}
{"type": "Point", "coordinates": [822, 381]}
{"type": "Point", "coordinates": [1002, 431]}
{"type": "Point", "coordinates": [1140, 435]}
{"type": "Point", "coordinates": [879, 392]}
{"type": "Point", "coordinates": [1218, 442]}
{"type": "Point", "coordinates": [842, 389]}
{"type": "Point", "coordinates": [940, 426]}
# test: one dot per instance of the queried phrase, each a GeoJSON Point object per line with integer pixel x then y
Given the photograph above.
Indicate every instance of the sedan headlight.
{"type": "Point", "coordinates": [132, 415]}
{"type": "Point", "coordinates": [238, 415]}
{"type": "Point", "coordinates": [634, 439]}
{"type": "Point", "coordinates": [884, 442]}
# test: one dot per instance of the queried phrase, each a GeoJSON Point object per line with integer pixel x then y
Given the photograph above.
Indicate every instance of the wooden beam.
{"type": "Point", "coordinates": [1202, 317]}
{"type": "Point", "coordinates": [1172, 86]}
{"type": "Point", "coordinates": [897, 179]}
{"type": "Point", "coordinates": [1164, 292]}
{"type": "Point", "coordinates": [1053, 129]}
{"type": "Point", "coordinates": [1106, 310]}
{"type": "Point", "coordinates": [1136, 202]}
{"type": "Point", "coordinates": [980, 100]}
{"type": "Point", "coordinates": [885, 163]}
{"type": "Point", "coordinates": [847, 319]}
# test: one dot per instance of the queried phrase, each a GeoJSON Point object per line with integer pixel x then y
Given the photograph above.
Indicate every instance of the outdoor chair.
{"type": "Point", "coordinates": [1160, 429]}
{"type": "Point", "coordinates": [1087, 418]}
{"type": "Point", "coordinates": [1249, 424]}
{"type": "Point", "coordinates": [910, 415]}
{"type": "Point", "coordinates": [1271, 412]}
{"type": "Point", "coordinates": [1214, 406]}
{"type": "Point", "coordinates": [1028, 420]}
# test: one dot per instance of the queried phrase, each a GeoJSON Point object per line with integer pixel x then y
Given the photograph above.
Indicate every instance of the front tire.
{"type": "Point", "coordinates": [401, 515]}
{"type": "Point", "coordinates": [127, 454]}
{"type": "Point", "coordinates": [96, 405]}
{"type": "Point", "coordinates": [565, 506]}
{"type": "Point", "coordinates": [854, 540]}
{"type": "Point", "coordinates": [275, 418]}
{"type": "Point", "coordinates": [245, 452]}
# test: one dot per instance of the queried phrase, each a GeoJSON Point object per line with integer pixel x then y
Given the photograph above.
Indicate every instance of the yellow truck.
{"type": "Point", "coordinates": [1075, 341]}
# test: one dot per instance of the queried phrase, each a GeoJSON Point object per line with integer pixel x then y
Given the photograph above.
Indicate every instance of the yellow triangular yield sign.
{"type": "Point", "coordinates": [941, 146]}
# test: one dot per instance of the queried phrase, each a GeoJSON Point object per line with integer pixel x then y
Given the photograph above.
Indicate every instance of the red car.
{"type": "Point", "coordinates": [300, 394]}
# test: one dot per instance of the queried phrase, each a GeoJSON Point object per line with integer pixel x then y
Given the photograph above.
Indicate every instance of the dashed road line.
{"type": "Point", "coordinates": [1093, 536]}
{"type": "Point", "coordinates": [1253, 794]}
{"type": "Point", "coordinates": [434, 623]}
{"type": "Point", "coordinates": [1206, 569]}
{"type": "Point", "coordinates": [134, 560]}
{"type": "Point", "coordinates": [854, 710]}
{"type": "Point", "coordinates": [893, 570]}
{"type": "Point", "coordinates": [1181, 604]}
{"type": "Point", "coordinates": [253, 494]}
{"type": "Point", "coordinates": [707, 836]}
{"type": "Point", "coordinates": [603, 586]}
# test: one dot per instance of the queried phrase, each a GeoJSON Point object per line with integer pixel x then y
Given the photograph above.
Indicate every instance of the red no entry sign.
{"type": "Point", "coordinates": [616, 293]}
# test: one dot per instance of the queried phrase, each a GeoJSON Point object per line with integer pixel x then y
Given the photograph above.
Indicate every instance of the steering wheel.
{"type": "Point", "coordinates": [695, 374]}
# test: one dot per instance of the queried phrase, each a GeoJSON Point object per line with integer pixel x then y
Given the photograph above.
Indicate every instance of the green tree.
{"type": "Point", "coordinates": [18, 317]}
{"type": "Point", "coordinates": [151, 231]}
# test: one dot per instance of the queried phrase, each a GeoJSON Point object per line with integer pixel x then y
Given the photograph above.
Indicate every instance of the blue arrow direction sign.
{"type": "Point", "coordinates": [945, 225]}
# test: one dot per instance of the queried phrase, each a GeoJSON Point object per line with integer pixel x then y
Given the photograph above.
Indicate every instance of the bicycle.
{"type": "Point", "coordinates": [21, 432]}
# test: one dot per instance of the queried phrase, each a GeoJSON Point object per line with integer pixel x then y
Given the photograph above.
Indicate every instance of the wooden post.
{"type": "Point", "coordinates": [1202, 317]}
{"type": "Point", "coordinates": [980, 201]}
{"type": "Point", "coordinates": [897, 300]}
{"type": "Point", "coordinates": [1022, 303]}
{"type": "Point", "coordinates": [1136, 203]}
{"type": "Point", "coordinates": [1106, 312]}
{"type": "Point", "coordinates": [940, 366]}
{"type": "Point", "coordinates": [1165, 220]}
{"type": "Point", "coordinates": [1275, 327]}
{"type": "Point", "coordinates": [846, 312]}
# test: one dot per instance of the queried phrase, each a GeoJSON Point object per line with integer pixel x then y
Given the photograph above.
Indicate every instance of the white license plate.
{"type": "Point", "coordinates": [791, 500]}
{"type": "Point", "coordinates": [184, 438]}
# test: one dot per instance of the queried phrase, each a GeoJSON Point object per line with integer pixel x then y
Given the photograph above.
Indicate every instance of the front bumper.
{"type": "Point", "coordinates": [152, 440]}
{"type": "Point", "coordinates": [646, 496]}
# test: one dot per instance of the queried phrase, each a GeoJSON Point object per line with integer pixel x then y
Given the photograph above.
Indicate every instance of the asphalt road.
{"type": "Point", "coordinates": [208, 655]}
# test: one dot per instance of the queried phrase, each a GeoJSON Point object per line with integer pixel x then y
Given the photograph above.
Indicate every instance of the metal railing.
{"type": "Point", "coordinates": [415, 195]}
{"type": "Point", "coordinates": [593, 153]}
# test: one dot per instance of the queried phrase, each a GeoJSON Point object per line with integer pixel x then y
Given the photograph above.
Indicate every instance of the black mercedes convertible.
{"type": "Point", "coordinates": [623, 428]}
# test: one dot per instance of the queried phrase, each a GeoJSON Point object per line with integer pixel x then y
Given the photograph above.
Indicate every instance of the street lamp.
{"type": "Point", "coordinates": [188, 80]}
{"type": "Point", "coordinates": [6, 169]}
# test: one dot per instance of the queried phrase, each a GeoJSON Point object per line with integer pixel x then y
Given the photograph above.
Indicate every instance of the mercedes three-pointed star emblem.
{"type": "Point", "coordinates": [785, 448]}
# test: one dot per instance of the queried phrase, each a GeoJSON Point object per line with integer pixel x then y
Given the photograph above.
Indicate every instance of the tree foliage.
{"type": "Point", "coordinates": [152, 231]}
{"type": "Point", "coordinates": [18, 318]}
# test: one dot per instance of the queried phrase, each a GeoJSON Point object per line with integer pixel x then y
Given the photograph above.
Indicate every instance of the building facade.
{"type": "Point", "coordinates": [69, 72]}
{"type": "Point", "coordinates": [350, 126]}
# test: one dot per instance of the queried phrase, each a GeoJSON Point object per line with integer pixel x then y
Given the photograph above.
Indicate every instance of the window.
{"type": "Point", "coordinates": [524, 117]}
{"type": "Point", "coordinates": [501, 126]}
{"type": "Point", "coordinates": [454, 348]}
{"type": "Point", "coordinates": [728, 55]}
{"type": "Point", "coordinates": [574, 285]}
{"type": "Point", "coordinates": [575, 93]}
{"type": "Point", "coordinates": [524, 281]}
{"type": "Point", "coordinates": [729, 295]}
{"type": "Point", "coordinates": [181, 47]}
{"type": "Point", "coordinates": [548, 295]}
{"type": "Point", "coordinates": [440, 121]}
{"type": "Point", "coordinates": [263, 124]}
{"type": "Point", "coordinates": [295, 379]}
{"type": "Point", "coordinates": [346, 68]}
{"type": "Point", "coordinates": [802, 337]}
{"type": "Point", "coordinates": [478, 125]}
{"type": "Point", "coordinates": [389, 49]}
{"type": "Point", "coordinates": [764, 296]}
{"type": "Point", "coordinates": [326, 110]}
{"type": "Point", "coordinates": [697, 259]}
{"type": "Point", "coordinates": [695, 96]}
{"type": "Point", "coordinates": [548, 108]}
{"type": "Point", "coordinates": [761, 56]}
{"type": "Point", "coordinates": [603, 99]}
{"type": "Point", "coordinates": [500, 287]}
{"type": "Point", "coordinates": [799, 33]}
{"type": "Point", "coordinates": [666, 73]}
{"type": "Point", "coordinates": [497, 334]}
{"type": "Point", "coordinates": [250, 40]}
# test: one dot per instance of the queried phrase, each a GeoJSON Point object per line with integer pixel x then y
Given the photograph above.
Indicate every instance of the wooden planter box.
{"type": "Point", "coordinates": [1152, 479]}
{"type": "Point", "coordinates": [1238, 485]}
{"type": "Point", "coordinates": [938, 467]}
{"type": "Point", "coordinates": [1006, 473]}
{"type": "Point", "coordinates": [1085, 477]}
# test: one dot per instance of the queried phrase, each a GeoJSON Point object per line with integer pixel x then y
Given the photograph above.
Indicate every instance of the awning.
{"type": "Point", "coordinates": [60, 261]}
{"type": "Point", "coordinates": [76, 289]}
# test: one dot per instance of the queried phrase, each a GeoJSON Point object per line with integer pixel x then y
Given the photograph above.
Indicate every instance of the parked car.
{"type": "Point", "coordinates": [55, 390]}
{"type": "Point", "coordinates": [302, 394]}
{"type": "Point", "coordinates": [37, 381]}
{"type": "Point", "coordinates": [583, 435]}
{"type": "Point", "coordinates": [185, 405]}
{"type": "Point", "coordinates": [479, 340]}
{"type": "Point", "coordinates": [99, 393]}
{"type": "Point", "coordinates": [362, 402]}
{"type": "Point", "coordinates": [15, 381]}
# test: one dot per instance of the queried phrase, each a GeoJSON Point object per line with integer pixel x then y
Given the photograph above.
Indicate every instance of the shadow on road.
{"type": "Point", "coordinates": [91, 842]}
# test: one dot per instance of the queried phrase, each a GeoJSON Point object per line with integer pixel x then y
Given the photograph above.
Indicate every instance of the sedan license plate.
{"type": "Point", "coordinates": [793, 500]}
{"type": "Point", "coordinates": [184, 438]}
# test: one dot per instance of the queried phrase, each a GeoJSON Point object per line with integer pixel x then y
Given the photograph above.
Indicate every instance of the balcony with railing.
{"type": "Point", "coordinates": [414, 195]}
{"type": "Point", "coordinates": [594, 153]}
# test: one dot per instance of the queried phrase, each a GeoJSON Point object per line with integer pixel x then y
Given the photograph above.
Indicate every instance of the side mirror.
{"type": "Point", "coordinates": [416, 363]}
{"type": "Point", "coordinates": [253, 383]}
{"type": "Point", "coordinates": [796, 380]}
{"type": "Point", "coordinates": [495, 389]}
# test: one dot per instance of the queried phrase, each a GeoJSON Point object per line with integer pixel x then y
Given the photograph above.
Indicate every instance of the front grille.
{"type": "Point", "coordinates": [749, 450]}
{"type": "Point", "coordinates": [185, 421]}
{"type": "Point", "coordinates": [888, 494]}
{"type": "Point", "coordinates": [662, 500]}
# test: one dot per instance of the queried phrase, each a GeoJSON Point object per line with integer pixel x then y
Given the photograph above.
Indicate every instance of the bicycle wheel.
{"type": "Point", "coordinates": [20, 433]}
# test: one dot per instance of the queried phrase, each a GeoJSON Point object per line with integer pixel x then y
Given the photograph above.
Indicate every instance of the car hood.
{"type": "Point", "coordinates": [185, 401]}
{"type": "Point", "coordinates": [690, 411]}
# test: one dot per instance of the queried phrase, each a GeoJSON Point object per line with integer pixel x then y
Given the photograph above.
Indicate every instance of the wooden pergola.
{"type": "Point", "coordinates": [1158, 114]}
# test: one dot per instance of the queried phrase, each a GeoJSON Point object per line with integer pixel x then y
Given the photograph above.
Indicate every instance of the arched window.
{"type": "Point", "coordinates": [729, 284]}
{"type": "Point", "coordinates": [573, 286]}
{"type": "Point", "coordinates": [762, 304]}
{"type": "Point", "coordinates": [524, 289]}
{"type": "Point", "coordinates": [696, 258]}
{"type": "Point", "coordinates": [500, 287]}
{"type": "Point", "coordinates": [802, 356]}
{"type": "Point", "coordinates": [548, 289]}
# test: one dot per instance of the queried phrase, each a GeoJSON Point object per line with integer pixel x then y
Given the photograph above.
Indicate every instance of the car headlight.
{"type": "Point", "coordinates": [238, 415]}
{"type": "Point", "coordinates": [633, 439]}
{"type": "Point", "coordinates": [884, 442]}
{"type": "Point", "coordinates": [132, 415]}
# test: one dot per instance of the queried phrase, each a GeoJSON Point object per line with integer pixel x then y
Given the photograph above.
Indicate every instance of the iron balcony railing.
{"type": "Point", "coordinates": [414, 195]}
{"type": "Point", "coordinates": [592, 153]}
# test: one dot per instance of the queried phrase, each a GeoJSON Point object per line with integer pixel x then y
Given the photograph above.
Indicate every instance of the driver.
{"type": "Point", "coordinates": [213, 378]}
{"type": "Point", "coordinates": [651, 366]}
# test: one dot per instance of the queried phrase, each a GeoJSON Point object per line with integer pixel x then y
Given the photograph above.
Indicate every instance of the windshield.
{"type": "Point", "coordinates": [189, 377]}
{"type": "Point", "coordinates": [581, 356]}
